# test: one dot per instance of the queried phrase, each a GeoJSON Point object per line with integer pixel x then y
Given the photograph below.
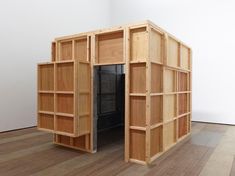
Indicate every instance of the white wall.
{"type": "Point", "coordinates": [26, 29]}
{"type": "Point", "coordinates": [208, 27]}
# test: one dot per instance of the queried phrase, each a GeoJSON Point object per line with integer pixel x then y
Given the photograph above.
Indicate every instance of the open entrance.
{"type": "Point", "coordinates": [109, 103]}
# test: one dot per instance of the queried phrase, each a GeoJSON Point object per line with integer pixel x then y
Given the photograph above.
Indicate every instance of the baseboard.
{"type": "Point", "coordinates": [17, 129]}
{"type": "Point", "coordinates": [213, 123]}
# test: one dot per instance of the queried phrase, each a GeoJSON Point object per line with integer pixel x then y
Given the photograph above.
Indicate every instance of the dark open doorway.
{"type": "Point", "coordinates": [109, 104]}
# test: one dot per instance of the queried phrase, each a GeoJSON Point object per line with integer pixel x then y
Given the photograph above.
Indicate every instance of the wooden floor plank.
{"type": "Point", "coordinates": [30, 152]}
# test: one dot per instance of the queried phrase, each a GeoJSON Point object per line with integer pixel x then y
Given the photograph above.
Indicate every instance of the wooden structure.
{"type": "Point", "coordinates": [157, 88]}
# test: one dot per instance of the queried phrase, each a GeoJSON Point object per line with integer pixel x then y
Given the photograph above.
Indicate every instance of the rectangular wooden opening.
{"type": "Point", "coordinates": [109, 102]}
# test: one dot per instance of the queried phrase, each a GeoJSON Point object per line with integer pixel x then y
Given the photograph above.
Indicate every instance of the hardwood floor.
{"type": "Point", "coordinates": [209, 151]}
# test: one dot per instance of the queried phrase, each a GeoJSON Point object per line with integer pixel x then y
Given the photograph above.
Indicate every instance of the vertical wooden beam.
{"type": "Point", "coordinates": [38, 101]}
{"type": "Point", "coordinates": [55, 96]}
{"type": "Point", "coordinates": [190, 87]}
{"type": "Point", "coordinates": [127, 92]}
{"type": "Point", "coordinates": [76, 96]}
{"type": "Point", "coordinates": [148, 98]}
{"type": "Point", "coordinates": [93, 55]}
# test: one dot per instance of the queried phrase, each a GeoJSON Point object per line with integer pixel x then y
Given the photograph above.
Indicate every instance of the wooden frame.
{"type": "Point", "coordinates": [158, 96]}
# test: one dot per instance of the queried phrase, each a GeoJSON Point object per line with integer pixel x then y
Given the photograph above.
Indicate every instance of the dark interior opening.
{"type": "Point", "coordinates": [110, 104]}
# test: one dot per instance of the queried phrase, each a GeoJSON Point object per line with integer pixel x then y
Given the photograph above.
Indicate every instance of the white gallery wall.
{"type": "Point", "coordinates": [26, 29]}
{"type": "Point", "coordinates": [208, 26]}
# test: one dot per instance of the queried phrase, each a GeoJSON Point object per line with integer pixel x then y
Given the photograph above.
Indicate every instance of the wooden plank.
{"type": "Point", "coordinates": [127, 92]}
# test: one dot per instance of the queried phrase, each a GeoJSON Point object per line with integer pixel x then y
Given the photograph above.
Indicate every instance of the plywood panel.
{"type": "Point", "coordinates": [46, 102]}
{"type": "Point", "coordinates": [80, 49]}
{"type": "Point", "coordinates": [46, 77]}
{"type": "Point", "coordinates": [183, 81]}
{"type": "Point", "coordinates": [110, 48]}
{"type": "Point", "coordinates": [156, 78]}
{"type": "Point", "coordinates": [66, 50]}
{"type": "Point", "coordinates": [84, 124]}
{"type": "Point", "coordinates": [46, 121]}
{"type": "Point", "coordinates": [79, 141]}
{"type": "Point", "coordinates": [84, 77]}
{"type": "Point", "coordinates": [169, 107]}
{"type": "Point", "coordinates": [182, 126]}
{"type": "Point", "coordinates": [173, 53]}
{"type": "Point", "coordinates": [64, 124]}
{"type": "Point", "coordinates": [169, 81]}
{"type": "Point", "coordinates": [65, 77]}
{"type": "Point", "coordinates": [185, 57]}
{"type": "Point", "coordinates": [183, 103]}
{"type": "Point", "coordinates": [65, 103]}
{"type": "Point", "coordinates": [137, 145]}
{"type": "Point", "coordinates": [156, 109]}
{"type": "Point", "coordinates": [64, 139]}
{"type": "Point", "coordinates": [138, 44]}
{"type": "Point", "coordinates": [137, 111]}
{"type": "Point", "coordinates": [84, 104]}
{"type": "Point", "coordinates": [156, 141]}
{"type": "Point", "coordinates": [138, 78]}
{"type": "Point", "coordinates": [169, 133]}
{"type": "Point", "coordinates": [156, 46]}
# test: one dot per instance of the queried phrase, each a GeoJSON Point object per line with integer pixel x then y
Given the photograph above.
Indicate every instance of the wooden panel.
{"type": "Point", "coordinates": [46, 121]}
{"type": "Point", "coordinates": [46, 102]}
{"type": "Point", "coordinates": [156, 141]}
{"type": "Point", "coordinates": [46, 77]}
{"type": "Point", "coordinates": [182, 126]}
{"type": "Point", "coordinates": [156, 78]}
{"type": "Point", "coordinates": [138, 111]}
{"type": "Point", "coordinates": [183, 81]}
{"type": "Point", "coordinates": [169, 107]}
{"type": "Point", "coordinates": [109, 48]}
{"type": "Point", "coordinates": [65, 77]}
{"type": "Point", "coordinates": [64, 139]}
{"type": "Point", "coordinates": [173, 53]}
{"type": "Point", "coordinates": [84, 124]}
{"type": "Point", "coordinates": [137, 145]}
{"type": "Point", "coordinates": [185, 59]}
{"type": "Point", "coordinates": [169, 133]}
{"type": "Point", "coordinates": [183, 104]}
{"type": "Point", "coordinates": [64, 124]}
{"type": "Point", "coordinates": [65, 103]}
{"type": "Point", "coordinates": [138, 44]}
{"type": "Point", "coordinates": [80, 52]}
{"type": "Point", "coordinates": [66, 50]}
{"type": "Point", "coordinates": [138, 78]}
{"type": "Point", "coordinates": [169, 81]}
{"type": "Point", "coordinates": [80, 141]}
{"type": "Point", "coordinates": [156, 46]}
{"type": "Point", "coordinates": [156, 110]}
{"type": "Point", "coordinates": [84, 77]}
{"type": "Point", "coordinates": [84, 104]}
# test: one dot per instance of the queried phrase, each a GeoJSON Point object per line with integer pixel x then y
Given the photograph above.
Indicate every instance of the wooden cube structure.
{"type": "Point", "coordinates": [157, 88]}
